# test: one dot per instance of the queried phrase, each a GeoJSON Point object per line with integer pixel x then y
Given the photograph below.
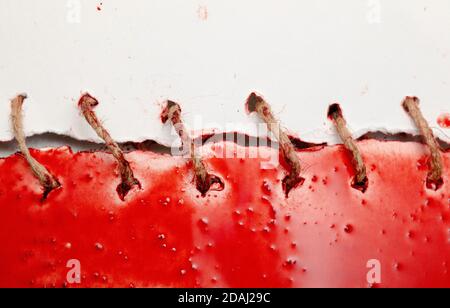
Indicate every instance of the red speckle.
{"type": "Point", "coordinates": [266, 188]}
{"type": "Point", "coordinates": [348, 229]}
{"type": "Point", "coordinates": [99, 6]}
{"type": "Point", "coordinates": [422, 163]}
{"type": "Point", "coordinates": [202, 13]}
{"type": "Point", "coordinates": [444, 120]}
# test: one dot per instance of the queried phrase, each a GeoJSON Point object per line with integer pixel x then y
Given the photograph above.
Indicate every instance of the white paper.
{"type": "Point", "coordinates": [209, 55]}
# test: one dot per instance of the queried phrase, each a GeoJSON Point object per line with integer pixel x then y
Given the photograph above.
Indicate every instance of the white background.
{"type": "Point", "coordinates": [301, 55]}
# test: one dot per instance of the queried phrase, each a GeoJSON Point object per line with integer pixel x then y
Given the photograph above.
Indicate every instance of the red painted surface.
{"type": "Point", "coordinates": [444, 120]}
{"type": "Point", "coordinates": [248, 235]}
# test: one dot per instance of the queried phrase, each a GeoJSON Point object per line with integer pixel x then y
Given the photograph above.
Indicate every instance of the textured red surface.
{"type": "Point", "coordinates": [248, 235]}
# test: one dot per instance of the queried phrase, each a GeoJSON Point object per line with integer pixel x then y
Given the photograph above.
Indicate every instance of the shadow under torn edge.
{"type": "Point", "coordinates": [52, 140]}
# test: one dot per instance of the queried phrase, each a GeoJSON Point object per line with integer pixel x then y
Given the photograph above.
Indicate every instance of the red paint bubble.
{"type": "Point", "coordinates": [444, 120]}
{"type": "Point", "coordinates": [235, 239]}
{"type": "Point", "coordinates": [202, 13]}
